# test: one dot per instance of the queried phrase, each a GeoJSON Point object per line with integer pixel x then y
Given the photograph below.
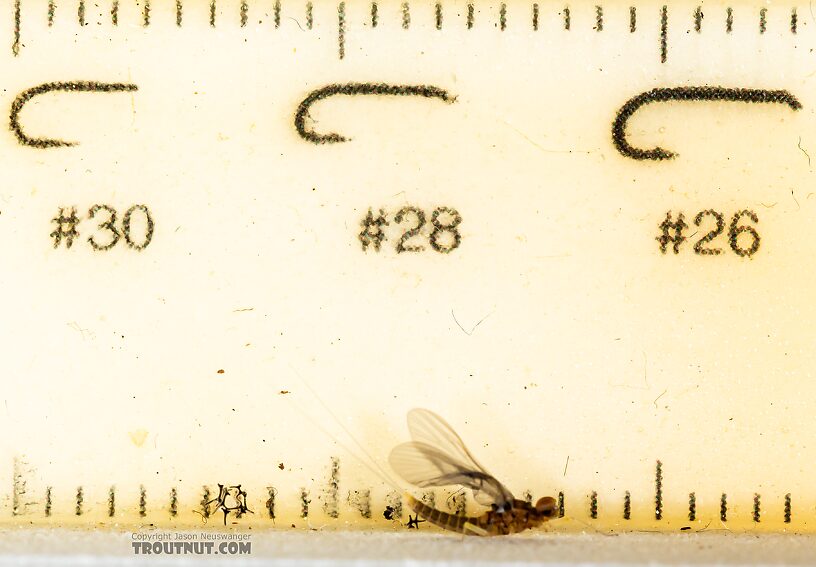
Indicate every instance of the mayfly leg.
{"type": "Point", "coordinates": [471, 527]}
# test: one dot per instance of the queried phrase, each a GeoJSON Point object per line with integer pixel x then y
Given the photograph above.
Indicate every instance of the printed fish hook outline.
{"type": "Point", "coordinates": [353, 89]}
{"type": "Point", "coordinates": [705, 93]}
{"type": "Point", "coordinates": [72, 86]}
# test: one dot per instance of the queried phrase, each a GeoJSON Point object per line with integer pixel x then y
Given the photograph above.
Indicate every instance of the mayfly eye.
{"type": "Point", "coordinates": [546, 505]}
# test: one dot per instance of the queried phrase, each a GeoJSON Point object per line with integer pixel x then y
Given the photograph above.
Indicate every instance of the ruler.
{"type": "Point", "coordinates": [582, 233]}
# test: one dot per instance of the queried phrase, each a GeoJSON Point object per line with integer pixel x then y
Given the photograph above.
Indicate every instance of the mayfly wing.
{"type": "Point", "coordinates": [438, 457]}
{"type": "Point", "coordinates": [425, 466]}
{"type": "Point", "coordinates": [427, 427]}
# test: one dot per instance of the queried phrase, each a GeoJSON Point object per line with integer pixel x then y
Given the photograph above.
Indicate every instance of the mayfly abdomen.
{"type": "Point", "coordinates": [444, 520]}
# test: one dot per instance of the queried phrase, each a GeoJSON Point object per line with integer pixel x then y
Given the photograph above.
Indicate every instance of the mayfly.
{"type": "Point", "coordinates": [438, 457]}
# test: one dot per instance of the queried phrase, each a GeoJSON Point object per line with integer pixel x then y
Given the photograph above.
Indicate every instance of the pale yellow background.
{"type": "Point", "coordinates": [590, 347]}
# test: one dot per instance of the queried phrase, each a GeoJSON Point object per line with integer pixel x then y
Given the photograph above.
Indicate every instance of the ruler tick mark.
{"type": "Point", "coordinates": [756, 511]}
{"type": "Point", "coordinates": [787, 515]}
{"type": "Point", "coordinates": [664, 32]}
{"type": "Point", "coordinates": [81, 13]}
{"type": "Point", "coordinates": [142, 501]}
{"type": "Point", "coordinates": [374, 10]}
{"type": "Point", "coordinates": [341, 30]}
{"type": "Point", "coordinates": [723, 508]}
{"type": "Point", "coordinates": [659, 491]}
{"type": "Point", "coordinates": [277, 13]}
{"type": "Point", "coordinates": [566, 18]}
{"type": "Point", "coordinates": [304, 503]}
{"type": "Point", "coordinates": [503, 16]}
{"type": "Point", "coordinates": [593, 505]}
{"type": "Point", "coordinates": [179, 13]}
{"type": "Point", "coordinates": [112, 502]}
{"type": "Point", "coordinates": [406, 16]}
{"type": "Point", "coordinates": [15, 46]}
{"type": "Point", "coordinates": [331, 504]}
{"type": "Point", "coordinates": [692, 515]}
{"type": "Point", "coordinates": [429, 498]}
{"type": "Point", "coordinates": [309, 16]}
{"type": "Point", "coordinates": [470, 11]}
{"type": "Point", "coordinates": [598, 18]}
{"type": "Point", "coordinates": [52, 7]}
{"type": "Point", "coordinates": [173, 502]}
{"type": "Point", "coordinates": [244, 13]}
{"type": "Point", "coordinates": [361, 500]}
{"type": "Point", "coordinates": [115, 12]}
{"type": "Point", "coordinates": [438, 14]}
{"type": "Point", "coordinates": [270, 502]}
{"type": "Point", "coordinates": [535, 16]}
{"type": "Point", "coordinates": [627, 505]}
{"type": "Point", "coordinates": [393, 505]}
{"type": "Point", "coordinates": [18, 487]}
{"type": "Point", "coordinates": [729, 19]}
{"type": "Point", "coordinates": [794, 20]}
{"type": "Point", "coordinates": [48, 502]}
{"type": "Point", "coordinates": [763, 14]}
{"type": "Point", "coordinates": [632, 19]}
{"type": "Point", "coordinates": [205, 502]}
{"type": "Point", "coordinates": [79, 501]}
{"type": "Point", "coordinates": [456, 502]}
{"type": "Point", "coordinates": [698, 19]}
